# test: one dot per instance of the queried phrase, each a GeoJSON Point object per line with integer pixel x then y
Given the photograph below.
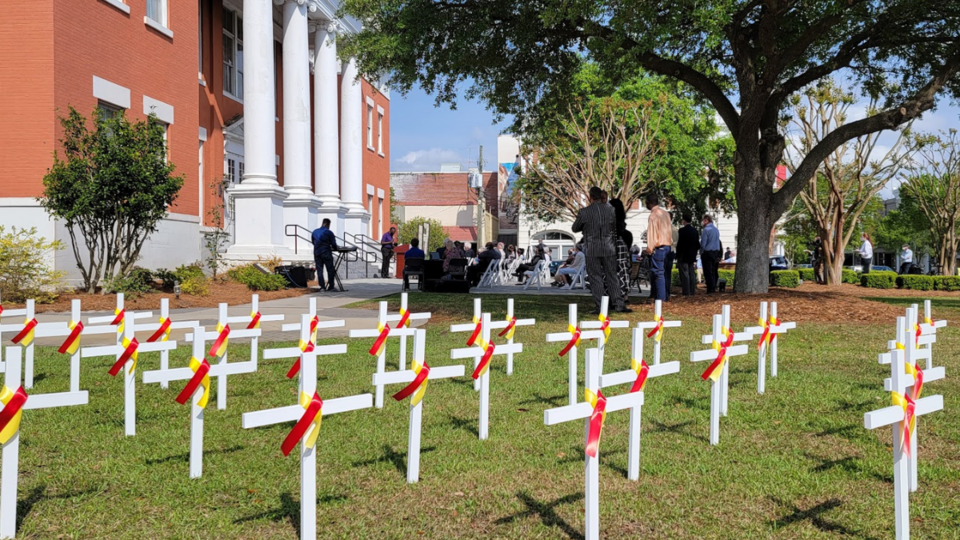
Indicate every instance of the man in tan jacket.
{"type": "Point", "coordinates": [659, 240]}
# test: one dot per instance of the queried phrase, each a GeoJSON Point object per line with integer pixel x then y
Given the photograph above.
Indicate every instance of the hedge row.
{"type": "Point", "coordinates": [849, 276]}
{"type": "Point", "coordinates": [929, 283]}
{"type": "Point", "coordinates": [879, 280]}
{"type": "Point", "coordinates": [785, 278]}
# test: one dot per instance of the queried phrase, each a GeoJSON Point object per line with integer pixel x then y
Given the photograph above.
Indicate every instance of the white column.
{"type": "Point", "coordinates": [258, 199]}
{"type": "Point", "coordinates": [296, 101]}
{"type": "Point", "coordinates": [351, 149]}
{"type": "Point", "coordinates": [326, 126]}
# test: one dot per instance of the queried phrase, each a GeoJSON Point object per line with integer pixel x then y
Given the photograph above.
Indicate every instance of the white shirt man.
{"type": "Point", "coordinates": [906, 259]}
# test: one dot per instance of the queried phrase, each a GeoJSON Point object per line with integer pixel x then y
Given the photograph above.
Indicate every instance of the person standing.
{"type": "Point", "coordinates": [906, 259]}
{"type": "Point", "coordinates": [324, 242]}
{"type": "Point", "coordinates": [818, 261]}
{"type": "Point", "coordinates": [688, 244]}
{"type": "Point", "coordinates": [387, 243]}
{"type": "Point", "coordinates": [669, 261]}
{"type": "Point", "coordinates": [659, 240]}
{"type": "Point", "coordinates": [598, 224]}
{"type": "Point", "coordinates": [624, 241]}
{"type": "Point", "coordinates": [710, 252]}
{"type": "Point", "coordinates": [866, 253]}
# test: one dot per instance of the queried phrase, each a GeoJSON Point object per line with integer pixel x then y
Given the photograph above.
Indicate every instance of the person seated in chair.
{"type": "Point", "coordinates": [525, 267]}
{"type": "Point", "coordinates": [414, 252]}
{"type": "Point", "coordinates": [452, 251]}
{"type": "Point", "coordinates": [564, 276]}
{"type": "Point", "coordinates": [484, 259]}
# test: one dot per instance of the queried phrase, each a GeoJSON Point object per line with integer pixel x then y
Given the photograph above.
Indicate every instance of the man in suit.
{"type": "Point", "coordinates": [598, 224]}
{"type": "Point", "coordinates": [710, 251]}
{"type": "Point", "coordinates": [687, 247]}
{"type": "Point", "coordinates": [324, 242]}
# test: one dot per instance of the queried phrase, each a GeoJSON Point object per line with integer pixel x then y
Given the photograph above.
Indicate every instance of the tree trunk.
{"type": "Point", "coordinates": [753, 230]}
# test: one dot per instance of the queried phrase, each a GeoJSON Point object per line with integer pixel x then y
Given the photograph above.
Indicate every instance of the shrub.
{"type": "Point", "coordinates": [946, 283]}
{"type": "Point", "coordinates": [727, 275]}
{"type": "Point", "coordinates": [24, 272]}
{"type": "Point", "coordinates": [850, 276]}
{"type": "Point", "coordinates": [255, 280]}
{"type": "Point", "coordinates": [195, 285]}
{"type": "Point", "coordinates": [675, 278]}
{"type": "Point", "coordinates": [785, 278]}
{"type": "Point", "coordinates": [879, 280]}
{"type": "Point", "coordinates": [271, 263]}
{"type": "Point", "coordinates": [137, 283]}
{"type": "Point", "coordinates": [806, 274]}
{"type": "Point", "coordinates": [916, 283]}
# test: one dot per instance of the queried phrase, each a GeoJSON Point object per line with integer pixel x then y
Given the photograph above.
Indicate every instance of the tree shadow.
{"type": "Point", "coordinates": [546, 512]}
{"type": "Point", "coordinates": [39, 377]}
{"type": "Point", "coordinates": [846, 405]}
{"type": "Point", "coordinates": [289, 510]}
{"type": "Point", "coordinates": [465, 424]}
{"type": "Point", "coordinates": [398, 459]}
{"type": "Point", "coordinates": [813, 514]}
{"type": "Point", "coordinates": [555, 401]}
{"type": "Point", "coordinates": [186, 456]}
{"type": "Point", "coordinates": [39, 494]}
{"type": "Point", "coordinates": [692, 403]}
{"type": "Point", "coordinates": [463, 381]}
{"type": "Point", "coordinates": [660, 427]}
{"type": "Point", "coordinates": [850, 432]}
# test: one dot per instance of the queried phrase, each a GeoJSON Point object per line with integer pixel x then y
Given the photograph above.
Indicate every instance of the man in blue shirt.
{"type": "Point", "coordinates": [710, 251]}
{"type": "Point", "coordinates": [414, 252]}
{"type": "Point", "coordinates": [324, 242]}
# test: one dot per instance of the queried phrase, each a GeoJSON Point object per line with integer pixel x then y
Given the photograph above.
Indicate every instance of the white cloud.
{"type": "Point", "coordinates": [427, 160]}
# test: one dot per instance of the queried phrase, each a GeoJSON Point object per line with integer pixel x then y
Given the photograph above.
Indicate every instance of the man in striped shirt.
{"type": "Point", "coordinates": [598, 224]}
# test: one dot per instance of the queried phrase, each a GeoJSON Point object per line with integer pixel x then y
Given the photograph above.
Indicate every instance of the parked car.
{"type": "Point", "coordinates": [779, 262]}
{"type": "Point", "coordinates": [874, 268]}
{"type": "Point", "coordinates": [799, 266]}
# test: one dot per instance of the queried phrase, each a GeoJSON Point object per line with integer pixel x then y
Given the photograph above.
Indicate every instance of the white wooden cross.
{"type": "Point", "coordinates": [637, 376]}
{"type": "Point", "coordinates": [774, 323]}
{"type": "Point", "coordinates": [198, 374]}
{"type": "Point", "coordinates": [904, 411]}
{"type": "Point", "coordinates": [656, 327]}
{"type": "Point", "coordinates": [160, 331]}
{"type": "Point", "coordinates": [928, 326]}
{"type": "Point", "coordinates": [247, 322]}
{"type": "Point", "coordinates": [719, 356]}
{"type": "Point", "coordinates": [415, 390]}
{"type": "Point", "coordinates": [248, 327]}
{"type": "Point", "coordinates": [114, 323]}
{"type": "Point", "coordinates": [711, 339]}
{"type": "Point", "coordinates": [605, 325]}
{"type": "Point", "coordinates": [315, 323]}
{"type": "Point", "coordinates": [16, 328]}
{"type": "Point", "coordinates": [126, 354]}
{"type": "Point", "coordinates": [505, 325]}
{"type": "Point", "coordinates": [482, 352]}
{"type": "Point", "coordinates": [592, 415]}
{"type": "Point", "coordinates": [394, 317]}
{"type": "Point", "coordinates": [10, 435]}
{"type": "Point", "coordinates": [768, 330]}
{"type": "Point", "coordinates": [308, 416]}
{"type": "Point", "coordinates": [573, 337]}
{"type": "Point", "coordinates": [914, 349]}
{"type": "Point", "coordinates": [379, 349]}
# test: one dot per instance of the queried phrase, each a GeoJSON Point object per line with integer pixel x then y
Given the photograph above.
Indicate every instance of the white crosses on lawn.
{"type": "Point", "coordinates": [160, 331]}
{"type": "Point", "coordinates": [573, 337]}
{"type": "Point", "coordinates": [315, 323]}
{"type": "Point", "coordinates": [417, 379]}
{"type": "Point", "coordinates": [775, 324]}
{"type": "Point", "coordinates": [197, 390]}
{"type": "Point", "coordinates": [379, 348]}
{"type": "Point", "coordinates": [249, 327]}
{"type": "Point", "coordinates": [594, 411]}
{"type": "Point", "coordinates": [604, 324]}
{"type": "Point", "coordinates": [907, 406]}
{"type": "Point", "coordinates": [768, 330]}
{"type": "Point", "coordinates": [402, 316]}
{"type": "Point", "coordinates": [482, 350]}
{"type": "Point", "coordinates": [507, 327]}
{"type": "Point", "coordinates": [21, 330]}
{"type": "Point", "coordinates": [719, 357]}
{"type": "Point", "coordinates": [725, 327]}
{"type": "Point", "coordinates": [637, 376]}
{"type": "Point", "coordinates": [127, 353]}
{"type": "Point", "coordinates": [656, 327]}
{"type": "Point", "coordinates": [307, 414]}
{"type": "Point", "coordinates": [14, 397]}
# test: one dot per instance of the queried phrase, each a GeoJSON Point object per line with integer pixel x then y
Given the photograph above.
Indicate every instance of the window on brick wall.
{"type": "Point", "coordinates": [370, 127]}
{"type": "Point", "coordinates": [157, 10]}
{"type": "Point", "coordinates": [380, 132]}
{"type": "Point", "coordinates": [232, 54]}
{"type": "Point", "coordinates": [108, 111]}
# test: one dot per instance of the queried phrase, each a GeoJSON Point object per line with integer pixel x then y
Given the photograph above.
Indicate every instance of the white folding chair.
{"type": "Point", "coordinates": [578, 279]}
{"type": "Point", "coordinates": [536, 275]}
{"type": "Point", "coordinates": [486, 280]}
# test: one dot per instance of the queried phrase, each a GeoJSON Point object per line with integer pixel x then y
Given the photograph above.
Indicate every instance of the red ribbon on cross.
{"type": "Point", "coordinates": [476, 333]}
{"type": "Point", "coordinates": [201, 369]}
{"type": "Point", "coordinates": [484, 360]}
{"type": "Point", "coordinates": [381, 341]}
{"type": "Point", "coordinates": [162, 332]}
{"type": "Point", "coordinates": [420, 380]}
{"type": "Point", "coordinates": [11, 413]}
{"type": "Point", "coordinates": [69, 345]}
{"type": "Point", "coordinates": [599, 414]}
{"type": "Point", "coordinates": [574, 341]}
{"type": "Point", "coordinates": [642, 370]}
{"type": "Point", "coordinates": [25, 335]}
{"type": "Point", "coordinates": [511, 323]}
{"type": "Point", "coordinates": [312, 416]}
{"type": "Point", "coordinates": [716, 367]}
{"type": "Point", "coordinates": [404, 318]}
{"type": "Point", "coordinates": [129, 351]}
{"type": "Point", "coordinates": [254, 320]}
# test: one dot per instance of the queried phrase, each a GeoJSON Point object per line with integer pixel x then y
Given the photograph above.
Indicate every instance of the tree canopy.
{"type": "Point", "coordinates": [746, 57]}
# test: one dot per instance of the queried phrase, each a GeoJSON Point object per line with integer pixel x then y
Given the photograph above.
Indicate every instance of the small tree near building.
{"type": "Point", "coordinates": [937, 192]}
{"type": "Point", "coordinates": [111, 186]}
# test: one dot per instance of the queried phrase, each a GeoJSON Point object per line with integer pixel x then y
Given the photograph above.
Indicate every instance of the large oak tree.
{"type": "Point", "coordinates": [746, 57]}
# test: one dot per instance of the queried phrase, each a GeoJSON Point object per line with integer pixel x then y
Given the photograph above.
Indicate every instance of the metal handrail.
{"type": "Point", "coordinates": [296, 235]}
{"type": "Point", "coordinates": [369, 250]}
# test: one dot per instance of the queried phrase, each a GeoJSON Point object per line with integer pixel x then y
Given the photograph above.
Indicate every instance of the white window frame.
{"type": "Point", "coordinates": [236, 68]}
{"type": "Point", "coordinates": [380, 115]}
{"type": "Point", "coordinates": [162, 25]}
{"type": "Point", "coordinates": [370, 106]}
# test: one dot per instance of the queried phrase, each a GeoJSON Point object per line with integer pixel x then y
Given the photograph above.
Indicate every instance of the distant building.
{"type": "Point", "coordinates": [447, 197]}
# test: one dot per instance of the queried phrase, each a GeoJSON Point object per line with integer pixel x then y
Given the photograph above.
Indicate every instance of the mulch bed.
{"type": "Point", "coordinates": [230, 292]}
{"type": "Point", "coordinates": [807, 303]}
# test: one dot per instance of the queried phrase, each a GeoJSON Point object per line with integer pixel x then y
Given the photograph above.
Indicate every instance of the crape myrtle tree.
{"type": "Point", "coordinates": [850, 177]}
{"type": "Point", "coordinates": [111, 184]}
{"type": "Point", "coordinates": [746, 57]}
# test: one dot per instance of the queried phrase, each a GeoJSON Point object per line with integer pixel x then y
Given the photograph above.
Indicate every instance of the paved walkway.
{"type": "Point", "coordinates": [330, 306]}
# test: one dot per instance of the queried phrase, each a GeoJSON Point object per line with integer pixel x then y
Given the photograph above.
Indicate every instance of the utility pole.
{"type": "Point", "coordinates": [481, 199]}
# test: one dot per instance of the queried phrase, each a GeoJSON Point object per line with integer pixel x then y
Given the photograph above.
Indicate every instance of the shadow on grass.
{"type": "Point", "coordinates": [39, 494]}
{"type": "Point", "coordinates": [690, 403]}
{"type": "Point", "coordinates": [545, 511]}
{"type": "Point", "coordinates": [813, 514]}
{"type": "Point", "coordinates": [679, 429]}
{"type": "Point", "coordinates": [846, 405]}
{"type": "Point", "coordinates": [848, 464]}
{"type": "Point", "coordinates": [554, 401]}
{"type": "Point", "coordinates": [398, 459]}
{"type": "Point", "coordinates": [186, 457]}
{"type": "Point", "coordinates": [575, 455]}
{"type": "Point", "coordinates": [850, 432]}
{"type": "Point", "coordinates": [466, 424]}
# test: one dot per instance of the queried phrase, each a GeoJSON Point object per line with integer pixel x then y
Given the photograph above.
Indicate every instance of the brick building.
{"type": "Point", "coordinates": [272, 112]}
{"type": "Point", "coordinates": [447, 197]}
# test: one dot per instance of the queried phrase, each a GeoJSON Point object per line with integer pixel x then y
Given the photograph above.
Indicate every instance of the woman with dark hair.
{"type": "Point", "coordinates": [624, 241]}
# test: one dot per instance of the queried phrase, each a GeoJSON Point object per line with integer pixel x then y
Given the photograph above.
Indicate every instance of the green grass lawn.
{"type": "Point", "coordinates": [794, 463]}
